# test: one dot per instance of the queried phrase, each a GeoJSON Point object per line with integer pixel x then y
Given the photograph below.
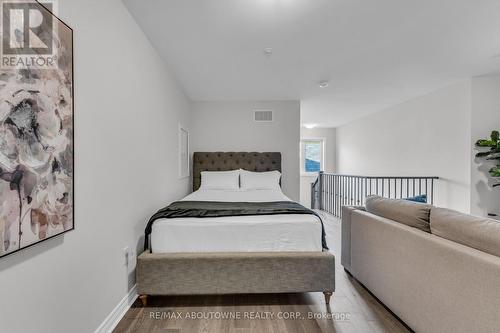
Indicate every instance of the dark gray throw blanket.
{"type": "Point", "coordinates": [201, 209]}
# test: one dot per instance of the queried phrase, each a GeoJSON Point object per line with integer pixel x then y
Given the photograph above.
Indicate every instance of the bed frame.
{"type": "Point", "coordinates": [234, 272]}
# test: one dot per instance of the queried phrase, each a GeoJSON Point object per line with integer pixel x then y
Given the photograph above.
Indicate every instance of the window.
{"type": "Point", "coordinates": [312, 155]}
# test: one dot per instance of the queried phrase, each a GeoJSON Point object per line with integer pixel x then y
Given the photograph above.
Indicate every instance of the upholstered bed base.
{"type": "Point", "coordinates": [235, 273]}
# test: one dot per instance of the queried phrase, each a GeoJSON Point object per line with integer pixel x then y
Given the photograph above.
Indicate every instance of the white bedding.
{"type": "Point", "coordinates": [261, 233]}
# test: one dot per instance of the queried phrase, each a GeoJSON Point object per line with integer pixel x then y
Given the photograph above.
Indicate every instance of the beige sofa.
{"type": "Point", "coordinates": [432, 283]}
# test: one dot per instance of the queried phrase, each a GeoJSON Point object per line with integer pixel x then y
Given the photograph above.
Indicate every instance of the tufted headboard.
{"type": "Point", "coordinates": [226, 161]}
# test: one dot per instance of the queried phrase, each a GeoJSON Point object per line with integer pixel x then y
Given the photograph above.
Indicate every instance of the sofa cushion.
{"type": "Point", "coordinates": [419, 198]}
{"type": "Point", "coordinates": [403, 211]}
{"type": "Point", "coordinates": [478, 232]}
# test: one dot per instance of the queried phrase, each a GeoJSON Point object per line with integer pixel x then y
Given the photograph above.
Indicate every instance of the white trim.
{"type": "Point", "coordinates": [109, 324]}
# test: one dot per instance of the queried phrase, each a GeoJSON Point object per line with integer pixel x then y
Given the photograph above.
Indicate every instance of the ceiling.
{"type": "Point", "coordinates": [375, 54]}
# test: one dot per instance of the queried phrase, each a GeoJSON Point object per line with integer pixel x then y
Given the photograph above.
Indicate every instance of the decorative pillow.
{"type": "Point", "coordinates": [220, 180]}
{"type": "Point", "coordinates": [413, 214]}
{"type": "Point", "coordinates": [478, 232]}
{"type": "Point", "coordinates": [269, 180]}
{"type": "Point", "coordinates": [419, 198]}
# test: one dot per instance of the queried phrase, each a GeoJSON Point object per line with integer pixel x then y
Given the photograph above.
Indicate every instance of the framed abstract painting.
{"type": "Point", "coordinates": [36, 125]}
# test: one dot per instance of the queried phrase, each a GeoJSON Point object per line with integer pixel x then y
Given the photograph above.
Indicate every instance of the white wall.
{"type": "Point", "coordinates": [485, 118]}
{"type": "Point", "coordinates": [127, 106]}
{"type": "Point", "coordinates": [329, 163]}
{"type": "Point", "coordinates": [229, 126]}
{"type": "Point", "coordinates": [427, 136]}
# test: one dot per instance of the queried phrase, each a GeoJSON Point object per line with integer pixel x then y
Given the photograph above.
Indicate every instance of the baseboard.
{"type": "Point", "coordinates": [118, 312]}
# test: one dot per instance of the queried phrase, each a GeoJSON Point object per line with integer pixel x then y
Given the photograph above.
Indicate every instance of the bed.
{"type": "Point", "coordinates": [277, 253]}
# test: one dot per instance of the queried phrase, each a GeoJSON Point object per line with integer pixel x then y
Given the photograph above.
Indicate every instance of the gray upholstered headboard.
{"type": "Point", "coordinates": [226, 161]}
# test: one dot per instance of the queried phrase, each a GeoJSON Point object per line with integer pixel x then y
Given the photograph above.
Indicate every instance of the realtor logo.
{"type": "Point", "coordinates": [28, 32]}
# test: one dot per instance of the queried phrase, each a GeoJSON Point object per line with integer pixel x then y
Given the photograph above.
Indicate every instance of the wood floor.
{"type": "Point", "coordinates": [352, 309]}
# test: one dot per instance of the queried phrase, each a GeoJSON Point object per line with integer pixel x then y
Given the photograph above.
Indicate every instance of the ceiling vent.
{"type": "Point", "coordinates": [263, 115]}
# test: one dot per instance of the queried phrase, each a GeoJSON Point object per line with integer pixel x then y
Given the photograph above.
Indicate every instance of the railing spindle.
{"type": "Point", "coordinates": [332, 191]}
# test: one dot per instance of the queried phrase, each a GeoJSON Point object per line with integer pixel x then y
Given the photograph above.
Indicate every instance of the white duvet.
{"type": "Point", "coordinates": [261, 233]}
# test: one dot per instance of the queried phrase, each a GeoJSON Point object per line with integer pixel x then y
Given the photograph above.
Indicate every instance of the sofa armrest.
{"type": "Point", "coordinates": [345, 258]}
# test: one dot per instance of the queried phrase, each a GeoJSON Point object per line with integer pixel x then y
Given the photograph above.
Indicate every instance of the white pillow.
{"type": "Point", "coordinates": [269, 180]}
{"type": "Point", "coordinates": [220, 180]}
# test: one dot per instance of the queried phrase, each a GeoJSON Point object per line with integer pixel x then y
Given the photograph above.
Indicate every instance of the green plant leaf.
{"type": "Point", "coordinates": [495, 171]}
{"type": "Point", "coordinates": [483, 154]}
{"type": "Point", "coordinates": [493, 153]}
{"type": "Point", "coordinates": [486, 143]}
{"type": "Point", "coordinates": [493, 156]}
{"type": "Point", "coordinates": [495, 135]}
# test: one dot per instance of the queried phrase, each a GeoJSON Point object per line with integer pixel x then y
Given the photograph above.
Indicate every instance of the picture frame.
{"type": "Point", "coordinates": [43, 182]}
